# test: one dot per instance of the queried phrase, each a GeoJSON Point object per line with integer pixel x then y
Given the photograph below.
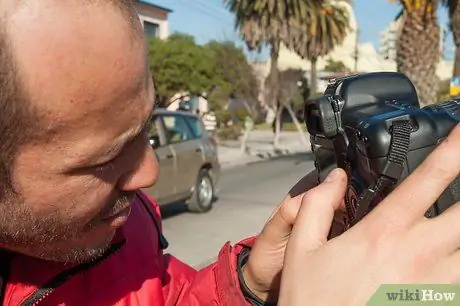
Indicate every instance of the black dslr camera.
{"type": "Point", "coordinates": [371, 125]}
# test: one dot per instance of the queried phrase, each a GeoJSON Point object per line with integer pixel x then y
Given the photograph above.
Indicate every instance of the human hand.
{"type": "Point", "coordinates": [263, 269]}
{"type": "Point", "coordinates": [393, 244]}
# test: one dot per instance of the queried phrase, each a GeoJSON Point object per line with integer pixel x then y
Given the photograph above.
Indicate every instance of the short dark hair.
{"type": "Point", "coordinates": [16, 118]}
{"type": "Point", "coordinates": [19, 120]}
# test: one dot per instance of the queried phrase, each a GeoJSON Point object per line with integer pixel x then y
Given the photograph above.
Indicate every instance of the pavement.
{"type": "Point", "coordinates": [259, 146]}
{"type": "Point", "coordinates": [247, 196]}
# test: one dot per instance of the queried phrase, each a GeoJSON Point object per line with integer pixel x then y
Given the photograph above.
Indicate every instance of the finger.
{"type": "Point", "coordinates": [447, 269]}
{"type": "Point", "coordinates": [445, 229]}
{"type": "Point", "coordinates": [294, 196]}
{"type": "Point", "coordinates": [275, 235]}
{"type": "Point", "coordinates": [306, 183]}
{"type": "Point", "coordinates": [317, 211]}
{"type": "Point", "coordinates": [279, 225]}
{"type": "Point", "coordinates": [412, 198]}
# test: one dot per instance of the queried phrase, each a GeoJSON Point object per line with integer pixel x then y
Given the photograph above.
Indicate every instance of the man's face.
{"type": "Point", "coordinates": [86, 70]}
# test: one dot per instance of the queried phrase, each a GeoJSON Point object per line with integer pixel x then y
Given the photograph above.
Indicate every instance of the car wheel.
{"type": "Point", "coordinates": [203, 195]}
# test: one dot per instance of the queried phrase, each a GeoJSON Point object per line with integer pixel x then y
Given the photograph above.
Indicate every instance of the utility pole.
{"type": "Point", "coordinates": [356, 55]}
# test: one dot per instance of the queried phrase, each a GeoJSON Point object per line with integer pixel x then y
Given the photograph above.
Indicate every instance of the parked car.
{"type": "Point", "coordinates": [188, 164]}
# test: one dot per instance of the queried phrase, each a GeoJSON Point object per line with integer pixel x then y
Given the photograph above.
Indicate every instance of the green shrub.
{"type": "Point", "coordinates": [222, 117]}
{"type": "Point", "coordinates": [241, 113]}
{"type": "Point", "coordinates": [231, 132]}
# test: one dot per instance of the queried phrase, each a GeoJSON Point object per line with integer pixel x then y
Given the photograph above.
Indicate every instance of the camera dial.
{"type": "Point", "coordinates": [351, 199]}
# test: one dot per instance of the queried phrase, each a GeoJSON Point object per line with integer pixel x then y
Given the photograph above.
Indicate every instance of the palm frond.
{"type": "Point", "coordinates": [269, 21]}
{"type": "Point", "coordinates": [327, 29]}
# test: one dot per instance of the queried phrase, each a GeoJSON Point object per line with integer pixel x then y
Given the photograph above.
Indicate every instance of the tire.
{"type": "Point", "coordinates": [202, 198]}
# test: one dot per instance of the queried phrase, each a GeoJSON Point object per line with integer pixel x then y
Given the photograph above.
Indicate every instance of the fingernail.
{"type": "Point", "coordinates": [333, 175]}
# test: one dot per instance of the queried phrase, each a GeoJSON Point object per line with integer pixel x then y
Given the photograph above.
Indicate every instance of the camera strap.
{"type": "Point", "coordinates": [397, 154]}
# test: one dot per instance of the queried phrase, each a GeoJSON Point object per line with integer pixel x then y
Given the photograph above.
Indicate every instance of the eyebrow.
{"type": "Point", "coordinates": [128, 138]}
{"type": "Point", "coordinates": [106, 154]}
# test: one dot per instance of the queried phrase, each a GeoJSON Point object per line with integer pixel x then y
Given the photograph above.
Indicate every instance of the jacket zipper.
{"type": "Point", "coordinates": [45, 290]}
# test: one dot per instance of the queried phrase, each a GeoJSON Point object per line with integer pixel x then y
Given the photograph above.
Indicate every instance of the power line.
{"type": "Point", "coordinates": [218, 8]}
{"type": "Point", "coordinates": [198, 6]}
{"type": "Point", "coordinates": [211, 11]}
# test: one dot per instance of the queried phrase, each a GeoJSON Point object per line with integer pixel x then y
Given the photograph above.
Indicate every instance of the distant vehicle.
{"type": "Point", "coordinates": [188, 164]}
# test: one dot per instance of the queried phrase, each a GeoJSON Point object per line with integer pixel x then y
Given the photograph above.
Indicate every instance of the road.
{"type": "Point", "coordinates": [247, 197]}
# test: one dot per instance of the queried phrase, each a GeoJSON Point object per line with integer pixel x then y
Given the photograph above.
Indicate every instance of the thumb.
{"type": "Point", "coordinates": [317, 210]}
{"type": "Point", "coordinates": [279, 226]}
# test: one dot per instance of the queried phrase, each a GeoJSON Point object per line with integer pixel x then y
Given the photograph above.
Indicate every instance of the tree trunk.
{"type": "Point", "coordinates": [454, 16]}
{"type": "Point", "coordinates": [244, 139]}
{"type": "Point", "coordinates": [456, 72]}
{"type": "Point", "coordinates": [279, 111]}
{"type": "Point", "coordinates": [274, 90]}
{"type": "Point", "coordinates": [297, 124]}
{"type": "Point", "coordinates": [418, 52]}
{"type": "Point", "coordinates": [313, 77]}
{"type": "Point", "coordinates": [274, 76]}
{"type": "Point", "coordinates": [249, 109]}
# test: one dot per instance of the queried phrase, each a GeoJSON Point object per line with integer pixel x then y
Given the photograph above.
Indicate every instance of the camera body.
{"type": "Point", "coordinates": [373, 127]}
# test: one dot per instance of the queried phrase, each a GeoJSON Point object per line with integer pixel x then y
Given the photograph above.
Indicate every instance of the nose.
{"type": "Point", "coordinates": [144, 174]}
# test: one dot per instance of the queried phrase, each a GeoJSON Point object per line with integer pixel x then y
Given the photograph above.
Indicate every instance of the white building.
{"type": "Point", "coordinates": [388, 41]}
{"type": "Point", "coordinates": [389, 36]}
{"type": "Point", "coordinates": [154, 19]}
{"type": "Point", "coordinates": [369, 60]}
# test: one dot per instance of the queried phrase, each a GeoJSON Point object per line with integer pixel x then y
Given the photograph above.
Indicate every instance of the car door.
{"type": "Point", "coordinates": [187, 149]}
{"type": "Point", "coordinates": [206, 141]}
{"type": "Point", "coordinates": [164, 189]}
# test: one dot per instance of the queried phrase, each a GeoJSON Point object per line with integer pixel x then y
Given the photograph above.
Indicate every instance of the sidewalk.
{"type": "Point", "coordinates": [260, 147]}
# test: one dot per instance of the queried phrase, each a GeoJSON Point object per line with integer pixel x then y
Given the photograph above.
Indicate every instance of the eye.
{"type": "Point", "coordinates": [104, 166]}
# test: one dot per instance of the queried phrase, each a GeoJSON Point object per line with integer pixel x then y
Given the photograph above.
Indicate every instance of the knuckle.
{"type": "Point", "coordinates": [450, 145]}
{"type": "Point", "coordinates": [385, 226]}
{"type": "Point", "coordinates": [288, 211]}
{"type": "Point", "coordinates": [311, 196]}
{"type": "Point", "coordinates": [444, 161]}
{"type": "Point", "coordinates": [438, 172]}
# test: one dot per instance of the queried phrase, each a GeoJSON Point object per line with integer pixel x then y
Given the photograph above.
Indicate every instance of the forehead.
{"type": "Point", "coordinates": [77, 59]}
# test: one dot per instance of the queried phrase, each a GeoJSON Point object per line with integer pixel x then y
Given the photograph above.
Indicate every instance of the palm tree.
{"type": "Point", "coordinates": [327, 30]}
{"type": "Point", "coordinates": [453, 7]}
{"type": "Point", "coordinates": [269, 22]}
{"type": "Point", "coordinates": [417, 46]}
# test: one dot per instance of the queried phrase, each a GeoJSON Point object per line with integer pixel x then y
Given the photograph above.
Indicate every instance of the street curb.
{"type": "Point", "coordinates": [275, 153]}
{"type": "Point", "coordinates": [261, 156]}
{"type": "Point", "coordinates": [233, 164]}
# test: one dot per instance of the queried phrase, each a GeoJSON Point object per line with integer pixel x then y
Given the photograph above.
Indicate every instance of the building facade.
{"type": "Point", "coordinates": [387, 48]}
{"type": "Point", "coordinates": [154, 19]}
{"type": "Point", "coordinates": [369, 59]}
{"type": "Point", "coordinates": [389, 36]}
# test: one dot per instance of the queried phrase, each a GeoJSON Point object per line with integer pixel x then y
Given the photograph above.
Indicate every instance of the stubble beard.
{"type": "Point", "coordinates": [42, 236]}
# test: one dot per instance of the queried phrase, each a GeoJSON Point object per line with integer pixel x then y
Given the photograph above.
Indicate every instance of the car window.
{"type": "Point", "coordinates": [176, 129]}
{"type": "Point", "coordinates": [195, 126]}
{"type": "Point", "coordinates": [153, 130]}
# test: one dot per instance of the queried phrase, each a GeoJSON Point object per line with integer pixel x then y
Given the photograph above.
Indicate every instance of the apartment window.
{"type": "Point", "coordinates": [151, 29]}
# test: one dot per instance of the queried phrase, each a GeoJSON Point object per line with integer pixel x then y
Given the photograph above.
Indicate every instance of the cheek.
{"type": "Point", "coordinates": [72, 198]}
{"type": "Point", "coordinates": [38, 179]}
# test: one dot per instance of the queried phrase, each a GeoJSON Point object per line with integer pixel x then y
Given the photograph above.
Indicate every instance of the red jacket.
{"type": "Point", "coordinates": [135, 273]}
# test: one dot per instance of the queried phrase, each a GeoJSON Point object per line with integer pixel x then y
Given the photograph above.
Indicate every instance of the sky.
{"type": "Point", "coordinates": [209, 19]}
